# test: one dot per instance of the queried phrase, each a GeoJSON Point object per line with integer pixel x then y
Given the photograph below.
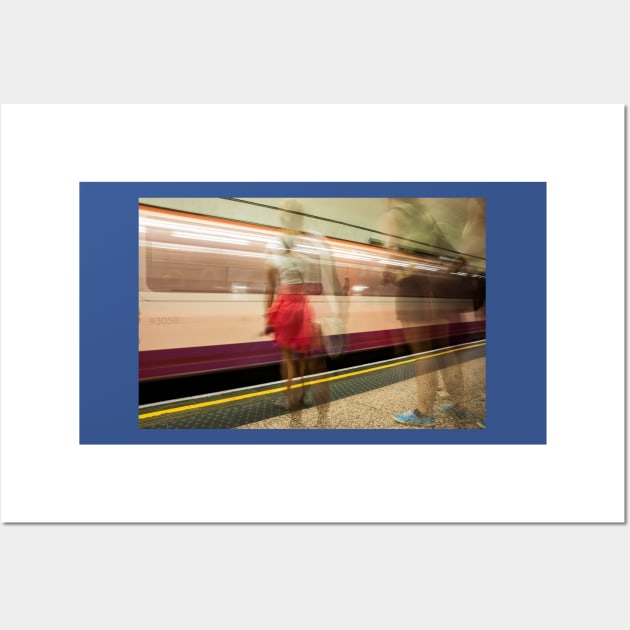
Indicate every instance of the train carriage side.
{"type": "Point", "coordinates": [201, 300]}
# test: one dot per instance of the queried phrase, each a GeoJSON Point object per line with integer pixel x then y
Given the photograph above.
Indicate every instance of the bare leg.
{"type": "Point", "coordinates": [453, 375]}
{"type": "Point", "coordinates": [300, 372]}
{"type": "Point", "coordinates": [426, 375]}
{"type": "Point", "coordinates": [289, 373]}
{"type": "Point", "coordinates": [321, 391]}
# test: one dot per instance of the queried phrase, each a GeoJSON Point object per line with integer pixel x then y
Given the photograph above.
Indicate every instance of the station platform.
{"type": "Point", "coordinates": [362, 397]}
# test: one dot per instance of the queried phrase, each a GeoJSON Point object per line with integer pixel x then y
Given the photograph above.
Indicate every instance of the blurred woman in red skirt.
{"type": "Point", "coordinates": [289, 315]}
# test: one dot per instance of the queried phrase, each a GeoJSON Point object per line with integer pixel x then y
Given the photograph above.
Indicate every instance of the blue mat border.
{"type": "Point", "coordinates": [516, 312]}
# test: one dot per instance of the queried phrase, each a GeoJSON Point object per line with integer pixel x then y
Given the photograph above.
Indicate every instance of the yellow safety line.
{"type": "Point", "coordinates": [209, 403]}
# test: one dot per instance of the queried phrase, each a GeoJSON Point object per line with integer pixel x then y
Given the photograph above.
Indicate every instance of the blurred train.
{"type": "Point", "coordinates": [202, 294]}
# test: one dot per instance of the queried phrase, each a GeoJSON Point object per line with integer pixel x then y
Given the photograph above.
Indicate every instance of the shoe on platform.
{"type": "Point", "coordinates": [481, 423]}
{"type": "Point", "coordinates": [410, 417]}
{"type": "Point", "coordinates": [456, 411]}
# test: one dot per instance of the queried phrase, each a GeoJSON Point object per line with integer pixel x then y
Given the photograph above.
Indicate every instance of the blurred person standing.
{"type": "Point", "coordinates": [425, 323]}
{"type": "Point", "coordinates": [474, 248]}
{"type": "Point", "coordinates": [301, 265]}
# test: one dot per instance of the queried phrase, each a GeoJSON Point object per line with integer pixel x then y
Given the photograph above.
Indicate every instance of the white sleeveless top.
{"type": "Point", "coordinates": [291, 268]}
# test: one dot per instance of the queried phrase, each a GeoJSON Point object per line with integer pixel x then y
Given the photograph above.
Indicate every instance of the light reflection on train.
{"type": "Point", "coordinates": [202, 283]}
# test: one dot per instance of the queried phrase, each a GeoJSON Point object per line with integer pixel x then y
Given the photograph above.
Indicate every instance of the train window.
{"type": "Point", "coordinates": [246, 280]}
{"type": "Point", "coordinates": [364, 280]}
{"type": "Point", "coordinates": [183, 256]}
{"type": "Point", "coordinates": [213, 278]}
{"type": "Point", "coordinates": [171, 281]}
{"type": "Point", "coordinates": [201, 270]}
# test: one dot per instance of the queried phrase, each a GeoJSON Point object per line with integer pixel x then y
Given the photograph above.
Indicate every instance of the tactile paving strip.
{"type": "Point", "coordinates": [204, 413]}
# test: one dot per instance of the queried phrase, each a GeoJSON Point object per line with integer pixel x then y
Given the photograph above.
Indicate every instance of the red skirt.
{"type": "Point", "coordinates": [291, 317]}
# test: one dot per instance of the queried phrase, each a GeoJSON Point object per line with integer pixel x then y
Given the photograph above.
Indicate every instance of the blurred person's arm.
{"type": "Point", "coordinates": [271, 283]}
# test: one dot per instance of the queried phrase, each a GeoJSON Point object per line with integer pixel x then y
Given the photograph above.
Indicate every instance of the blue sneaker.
{"type": "Point", "coordinates": [456, 411]}
{"type": "Point", "coordinates": [481, 423]}
{"type": "Point", "coordinates": [410, 417]}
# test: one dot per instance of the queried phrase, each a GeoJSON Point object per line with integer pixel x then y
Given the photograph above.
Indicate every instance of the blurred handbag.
{"type": "Point", "coordinates": [332, 335]}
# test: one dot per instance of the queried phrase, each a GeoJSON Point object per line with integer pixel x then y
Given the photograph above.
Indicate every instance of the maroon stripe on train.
{"type": "Point", "coordinates": [181, 361]}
